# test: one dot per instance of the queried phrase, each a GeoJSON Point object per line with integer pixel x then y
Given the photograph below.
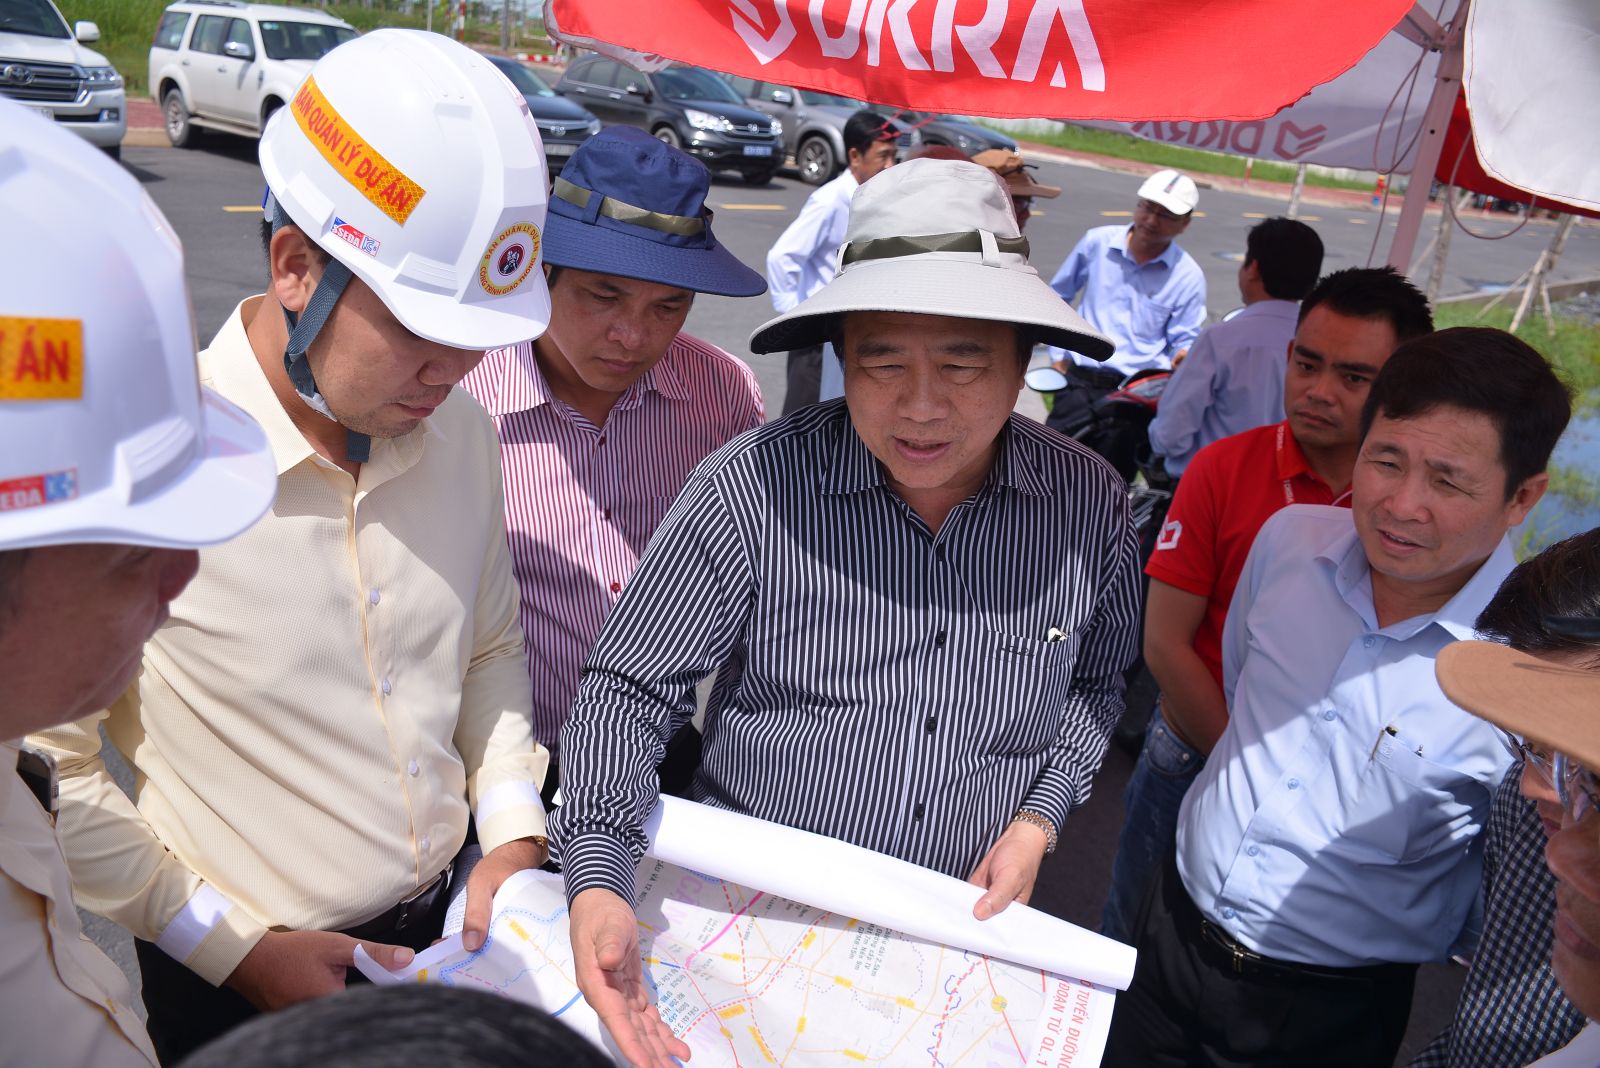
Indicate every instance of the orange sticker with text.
{"type": "Point", "coordinates": [41, 359]}
{"type": "Point", "coordinates": [381, 182]}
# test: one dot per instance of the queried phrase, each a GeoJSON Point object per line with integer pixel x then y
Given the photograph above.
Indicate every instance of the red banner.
{"type": "Point", "coordinates": [1129, 60]}
{"type": "Point", "coordinates": [1459, 166]}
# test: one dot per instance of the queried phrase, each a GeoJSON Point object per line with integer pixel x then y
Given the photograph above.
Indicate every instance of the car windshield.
{"type": "Point", "coordinates": [34, 18]}
{"type": "Point", "coordinates": [691, 83]}
{"type": "Point", "coordinates": [302, 40]}
{"type": "Point", "coordinates": [829, 100]}
{"type": "Point", "coordinates": [527, 82]}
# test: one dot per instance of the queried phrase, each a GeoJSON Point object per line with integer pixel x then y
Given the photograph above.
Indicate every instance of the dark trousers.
{"type": "Point", "coordinates": [1189, 1008]}
{"type": "Point", "coordinates": [184, 1012]}
{"type": "Point", "coordinates": [804, 383]}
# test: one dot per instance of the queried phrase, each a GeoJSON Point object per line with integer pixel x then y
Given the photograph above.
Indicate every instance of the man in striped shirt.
{"type": "Point", "coordinates": [921, 604]}
{"type": "Point", "coordinates": [603, 417]}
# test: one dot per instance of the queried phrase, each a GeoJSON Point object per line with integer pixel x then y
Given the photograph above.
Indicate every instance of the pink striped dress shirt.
{"type": "Point", "coordinates": [582, 501]}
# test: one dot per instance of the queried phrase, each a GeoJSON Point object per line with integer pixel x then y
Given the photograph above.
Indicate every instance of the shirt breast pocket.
{"type": "Point", "coordinates": [1150, 317]}
{"type": "Point", "coordinates": [1026, 689]}
{"type": "Point", "coordinates": [1409, 807]}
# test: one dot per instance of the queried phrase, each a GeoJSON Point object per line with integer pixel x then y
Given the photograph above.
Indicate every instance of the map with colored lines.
{"type": "Point", "coordinates": [748, 978]}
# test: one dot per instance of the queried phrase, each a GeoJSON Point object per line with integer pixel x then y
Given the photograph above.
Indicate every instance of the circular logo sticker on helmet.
{"type": "Point", "coordinates": [509, 259]}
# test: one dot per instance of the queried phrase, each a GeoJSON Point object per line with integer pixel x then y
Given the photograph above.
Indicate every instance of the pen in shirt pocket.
{"type": "Point", "coordinates": [1055, 634]}
{"type": "Point", "coordinates": [1390, 732]}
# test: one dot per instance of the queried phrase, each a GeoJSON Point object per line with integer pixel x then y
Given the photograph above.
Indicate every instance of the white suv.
{"type": "Point", "coordinates": [226, 65]}
{"type": "Point", "coordinates": [44, 66]}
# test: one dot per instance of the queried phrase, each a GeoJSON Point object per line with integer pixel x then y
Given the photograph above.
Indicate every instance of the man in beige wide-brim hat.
{"type": "Point", "coordinates": [1554, 711]}
{"type": "Point", "coordinates": [1013, 170]}
{"type": "Point", "coordinates": [900, 678]}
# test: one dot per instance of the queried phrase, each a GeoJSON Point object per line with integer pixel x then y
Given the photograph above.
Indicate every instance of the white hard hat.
{"type": "Point", "coordinates": [105, 433]}
{"type": "Point", "coordinates": [1173, 190]}
{"type": "Point", "coordinates": [412, 161]}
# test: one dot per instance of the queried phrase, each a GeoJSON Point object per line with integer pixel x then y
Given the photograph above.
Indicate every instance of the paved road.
{"type": "Point", "coordinates": [211, 197]}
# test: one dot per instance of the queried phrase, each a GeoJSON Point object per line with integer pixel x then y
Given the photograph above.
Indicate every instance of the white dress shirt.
{"type": "Point", "coordinates": [1581, 1052]}
{"type": "Point", "coordinates": [806, 255]}
{"type": "Point", "coordinates": [1334, 822]}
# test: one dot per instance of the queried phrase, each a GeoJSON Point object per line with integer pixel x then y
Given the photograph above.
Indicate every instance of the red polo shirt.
{"type": "Point", "coordinates": [1227, 492]}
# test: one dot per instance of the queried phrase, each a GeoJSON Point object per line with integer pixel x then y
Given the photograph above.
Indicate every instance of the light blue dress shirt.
{"type": "Point", "coordinates": [1335, 822]}
{"type": "Point", "coordinates": [1231, 381]}
{"type": "Point", "coordinates": [1151, 310]}
{"type": "Point", "coordinates": [806, 255]}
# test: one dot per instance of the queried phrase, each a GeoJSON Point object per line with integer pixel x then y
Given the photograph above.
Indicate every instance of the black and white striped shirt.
{"type": "Point", "coordinates": [884, 685]}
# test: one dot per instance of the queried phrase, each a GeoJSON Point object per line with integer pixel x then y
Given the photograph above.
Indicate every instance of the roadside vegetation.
{"type": "Point", "coordinates": [128, 26]}
{"type": "Point", "coordinates": [1193, 160]}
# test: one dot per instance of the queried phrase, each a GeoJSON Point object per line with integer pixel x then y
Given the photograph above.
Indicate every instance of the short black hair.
{"type": "Point", "coordinates": [1478, 369]}
{"type": "Point", "coordinates": [866, 128]}
{"type": "Point", "coordinates": [1373, 293]}
{"type": "Point", "coordinates": [408, 1023]}
{"type": "Point", "coordinates": [1564, 580]}
{"type": "Point", "coordinates": [1289, 254]}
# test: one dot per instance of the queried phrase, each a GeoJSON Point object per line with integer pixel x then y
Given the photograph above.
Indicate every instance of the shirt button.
{"type": "Point", "coordinates": [1253, 850]}
{"type": "Point", "coordinates": [1228, 914]}
{"type": "Point", "coordinates": [386, 687]}
{"type": "Point", "coordinates": [1294, 784]}
{"type": "Point", "coordinates": [930, 724]}
{"type": "Point", "coordinates": [1370, 642]}
{"type": "Point", "coordinates": [917, 814]}
{"type": "Point", "coordinates": [1329, 714]}
{"type": "Point", "coordinates": [424, 843]}
{"type": "Point", "coordinates": [938, 639]}
{"type": "Point", "coordinates": [412, 769]}
{"type": "Point", "coordinates": [938, 553]}
{"type": "Point", "coordinates": [602, 440]}
{"type": "Point", "coordinates": [373, 597]}
{"type": "Point", "coordinates": [616, 587]}
{"type": "Point", "coordinates": [606, 514]}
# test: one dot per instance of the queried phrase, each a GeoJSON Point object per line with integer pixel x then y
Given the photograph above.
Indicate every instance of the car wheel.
{"type": "Point", "coordinates": [668, 136]}
{"type": "Point", "coordinates": [759, 177]}
{"type": "Point", "coordinates": [114, 151]}
{"type": "Point", "coordinates": [180, 130]}
{"type": "Point", "coordinates": [816, 160]}
{"type": "Point", "coordinates": [272, 105]}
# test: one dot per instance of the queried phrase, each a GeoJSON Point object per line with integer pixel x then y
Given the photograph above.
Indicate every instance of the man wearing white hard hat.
{"type": "Point", "coordinates": [1140, 289]}
{"type": "Point", "coordinates": [897, 677]}
{"type": "Point", "coordinates": [114, 467]}
{"type": "Point", "coordinates": [343, 689]}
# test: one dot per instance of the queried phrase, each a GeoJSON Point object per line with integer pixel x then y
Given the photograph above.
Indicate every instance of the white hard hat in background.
{"type": "Point", "coordinates": [105, 433]}
{"type": "Point", "coordinates": [1173, 190]}
{"type": "Point", "coordinates": [413, 162]}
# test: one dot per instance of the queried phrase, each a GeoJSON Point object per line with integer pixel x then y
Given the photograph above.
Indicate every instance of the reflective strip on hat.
{"type": "Point", "coordinates": [389, 189]}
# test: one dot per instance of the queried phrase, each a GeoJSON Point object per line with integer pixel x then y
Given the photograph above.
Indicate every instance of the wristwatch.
{"type": "Point", "coordinates": [1040, 821]}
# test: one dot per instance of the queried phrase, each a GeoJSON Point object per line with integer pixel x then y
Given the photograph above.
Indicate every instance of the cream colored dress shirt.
{"type": "Point", "coordinates": [334, 690]}
{"type": "Point", "coordinates": [62, 1001]}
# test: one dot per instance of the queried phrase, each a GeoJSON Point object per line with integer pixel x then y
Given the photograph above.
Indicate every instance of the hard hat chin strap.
{"type": "Point", "coordinates": [303, 330]}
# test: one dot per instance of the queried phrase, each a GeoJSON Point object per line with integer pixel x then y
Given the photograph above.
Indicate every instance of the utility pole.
{"type": "Point", "coordinates": [505, 25]}
{"type": "Point", "coordinates": [1294, 193]}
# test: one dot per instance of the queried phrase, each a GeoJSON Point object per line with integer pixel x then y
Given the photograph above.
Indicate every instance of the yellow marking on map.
{"type": "Point", "coordinates": [905, 1003]}
{"type": "Point", "coordinates": [805, 943]}
{"type": "Point", "coordinates": [851, 924]}
{"type": "Point", "coordinates": [998, 1003]}
{"type": "Point", "coordinates": [241, 209]}
{"type": "Point", "coordinates": [800, 1025]}
{"type": "Point", "coordinates": [854, 1055]}
{"type": "Point", "coordinates": [520, 931]}
{"type": "Point", "coordinates": [761, 1042]}
{"type": "Point", "coordinates": [731, 956]}
{"type": "Point", "coordinates": [842, 981]}
{"type": "Point", "coordinates": [731, 1011]}
{"type": "Point", "coordinates": [422, 975]}
{"type": "Point", "coordinates": [725, 1032]}
{"type": "Point", "coordinates": [40, 359]}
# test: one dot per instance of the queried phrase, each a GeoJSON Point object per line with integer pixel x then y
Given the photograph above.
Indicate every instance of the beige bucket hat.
{"type": "Point", "coordinates": [1551, 704]}
{"type": "Point", "coordinates": [935, 237]}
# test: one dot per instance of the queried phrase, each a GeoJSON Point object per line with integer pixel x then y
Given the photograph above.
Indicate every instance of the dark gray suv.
{"type": "Point", "coordinates": [686, 107]}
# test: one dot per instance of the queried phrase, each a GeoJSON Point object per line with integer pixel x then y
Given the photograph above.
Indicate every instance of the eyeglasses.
{"type": "Point", "coordinates": [1539, 760]}
{"type": "Point", "coordinates": [1576, 786]}
{"type": "Point", "coordinates": [1159, 212]}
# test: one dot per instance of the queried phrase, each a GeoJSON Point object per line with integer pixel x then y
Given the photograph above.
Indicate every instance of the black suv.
{"type": "Point", "coordinates": [686, 107]}
{"type": "Point", "coordinates": [563, 125]}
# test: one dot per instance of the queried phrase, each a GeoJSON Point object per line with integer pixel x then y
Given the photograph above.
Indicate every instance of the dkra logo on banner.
{"type": "Point", "coordinates": [1053, 27]}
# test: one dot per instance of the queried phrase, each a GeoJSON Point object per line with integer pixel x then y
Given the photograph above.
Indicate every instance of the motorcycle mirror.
{"type": "Point", "coordinates": [1045, 380]}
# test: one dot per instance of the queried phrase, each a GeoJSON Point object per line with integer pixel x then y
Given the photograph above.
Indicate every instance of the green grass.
{"type": "Point", "coordinates": [1196, 161]}
{"type": "Point", "coordinates": [1574, 350]}
{"type": "Point", "coordinates": [128, 26]}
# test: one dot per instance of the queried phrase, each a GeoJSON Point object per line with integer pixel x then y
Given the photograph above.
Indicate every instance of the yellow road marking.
{"type": "Point", "coordinates": [842, 981]}
{"type": "Point", "coordinates": [748, 207]}
{"type": "Point", "coordinates": [1356, 222]}
{"type": "Point", "coordinates": [1117, 214]}
{"type": "Point", "coordinates": [240, 209]}
{"type": "Point", "coordinates": [1254, 214]}
{"type": "Point", "coordinates": [1310, 218]}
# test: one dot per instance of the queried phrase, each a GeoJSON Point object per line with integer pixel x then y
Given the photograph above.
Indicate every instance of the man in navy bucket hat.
{"type": "Point", "coordinates": [602, 418]}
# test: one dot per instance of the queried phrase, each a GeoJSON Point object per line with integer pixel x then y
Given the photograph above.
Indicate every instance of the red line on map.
{"type": "Point", "coordinates": [731, 921]}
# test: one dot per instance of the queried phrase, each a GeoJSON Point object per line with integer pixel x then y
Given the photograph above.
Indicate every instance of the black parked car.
{"type": "Point", "coordinates": [686, 107]}
{"type": "Point", "coordinates": [563, 125]}
{"type": "Point", "coordinates": [965, 137]}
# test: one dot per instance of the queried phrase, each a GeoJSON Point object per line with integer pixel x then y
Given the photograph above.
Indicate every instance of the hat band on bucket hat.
{"type": "Point", "coordinates": [621, 211]}
{"type": "Point", "coordinates": [885, 248]}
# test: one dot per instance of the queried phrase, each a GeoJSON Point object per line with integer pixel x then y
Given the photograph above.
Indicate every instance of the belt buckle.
{"type": "Point", "coordinates": [1238, 957]}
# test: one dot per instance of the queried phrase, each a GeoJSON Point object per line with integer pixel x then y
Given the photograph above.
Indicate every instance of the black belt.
{"type": "Point", "coordinates": [416, 919]}
{"type": "Point", "coordinates": [1098, 378]}
{"type": "Point", "coordinates": [1240, 959]}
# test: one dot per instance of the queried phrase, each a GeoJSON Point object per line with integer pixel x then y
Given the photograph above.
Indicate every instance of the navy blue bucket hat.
{"type": "Point", "coordinates": [629, 205]}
